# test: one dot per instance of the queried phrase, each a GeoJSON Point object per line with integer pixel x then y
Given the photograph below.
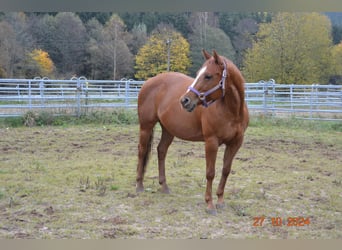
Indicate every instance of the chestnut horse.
{"type": "Point", "coordinates": [209, 108]}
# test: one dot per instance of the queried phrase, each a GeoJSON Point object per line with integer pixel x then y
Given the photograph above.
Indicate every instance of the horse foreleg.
{"type": "Point", "coordinates": [165, 141]}
{"type": "Point", "coordinates": [211, 147]}
{"type": "Point", "coordinates": [230, 151]}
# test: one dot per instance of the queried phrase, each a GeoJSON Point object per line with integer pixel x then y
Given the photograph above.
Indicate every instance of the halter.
{"type": "Point", "coordinates": [203, 95]}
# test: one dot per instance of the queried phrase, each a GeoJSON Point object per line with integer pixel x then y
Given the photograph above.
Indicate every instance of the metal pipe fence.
{"type": "Point", "coordinates": [78, 96]}
{"type": "Point", "coordinates": [315, 102]}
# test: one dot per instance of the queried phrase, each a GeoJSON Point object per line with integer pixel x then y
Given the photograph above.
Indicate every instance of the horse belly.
{"type": "Point", "coordinates": [181, 124]}
{"type": "Point", "coordinates": [185, 133]}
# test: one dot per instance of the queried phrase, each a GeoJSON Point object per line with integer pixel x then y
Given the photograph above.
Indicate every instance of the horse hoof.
{"type": "Point", "coordinates": [220, 205]}
{"type": "Point", "coordinates": [165, 191]}
{"type": "Point", "coordinates": [211, 211]}
{"type": "Point", "coordinates": [139, 189]}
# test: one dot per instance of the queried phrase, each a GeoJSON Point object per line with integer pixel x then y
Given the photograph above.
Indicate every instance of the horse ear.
{"type": "Point", "coordinates": [206, 54]}
{"type": "Point", "coordinates": [217, 58]}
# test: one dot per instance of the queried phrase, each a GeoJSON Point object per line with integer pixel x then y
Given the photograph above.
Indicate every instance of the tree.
{"type": "Point", "coordinates": [150, 19]}
{"type": "Point", "coordinates": [7, 49]}
{"type": "Point", "coordinates": [337, 34]}
{"type": "Point", "coordinates": [38, 63]}
{"type": "Point", "coordinates": [337, 59]}
{"type": "Point", "coordinates": [293, 48]}
{"type": "Point", "coordinates": [64, 37]}
{"type": "Point", "coordinates": [107, 47]}
{"type": "Point", "coordinates": [70, 40]}
{"type": "Point", "coordinates": [15, 41]}
{"type": "Point", "coordinates": [114, 44]}
{"type": "Point", "coordinates": [178, 20]}
{"type": "Point", "coordinates": [43, 30]}
{"type": "Point", "coordinates": [98, 68]}
{"type": "Point", "coordinates": [102, 17]}
{"type": "Point", "coordinates": [139, 37]}
{"type": "Point", "coordinates": [241, 27]}
{"type": "Point", "coordinates": [154, 56]}
{"type": "Point", "coordinates": [244, 33]}
{"type": "Point", "coordinates": [214, 38]}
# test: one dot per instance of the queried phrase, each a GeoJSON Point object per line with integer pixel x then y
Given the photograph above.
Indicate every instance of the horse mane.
{"type": "Point", "coordinates": [236, 80]}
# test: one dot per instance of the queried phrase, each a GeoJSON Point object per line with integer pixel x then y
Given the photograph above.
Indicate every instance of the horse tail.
{"type": "Point", "coordinates": [148, 151]}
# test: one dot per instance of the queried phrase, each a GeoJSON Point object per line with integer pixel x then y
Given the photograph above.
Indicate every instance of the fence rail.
{"type": "Point", "coordinates": [79, 95]}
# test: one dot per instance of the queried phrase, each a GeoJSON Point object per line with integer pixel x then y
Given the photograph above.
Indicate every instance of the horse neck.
{"type": "Point", "coordinates": [234, 98]}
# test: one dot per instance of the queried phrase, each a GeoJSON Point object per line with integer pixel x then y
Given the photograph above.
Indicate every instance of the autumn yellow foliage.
{"type": "Point", "coordinates": [152, 58]}
{"type": "Point", "coordinates": [43, 61]}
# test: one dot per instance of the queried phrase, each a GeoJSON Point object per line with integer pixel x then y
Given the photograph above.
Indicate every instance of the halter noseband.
{"type": "Point", "coordinates": [203, 95]}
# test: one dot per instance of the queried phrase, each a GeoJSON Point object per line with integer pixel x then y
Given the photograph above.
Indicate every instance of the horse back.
{"type": "Point", "coordinates": [165, 84]}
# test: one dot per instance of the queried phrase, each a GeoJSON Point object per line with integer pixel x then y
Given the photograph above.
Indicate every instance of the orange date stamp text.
{"type": "Point", "coordinates": [278, 221]}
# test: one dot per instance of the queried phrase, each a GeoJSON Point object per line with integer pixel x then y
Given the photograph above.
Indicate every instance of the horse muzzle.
{"type": "Point", "coordinates": [188, 104]}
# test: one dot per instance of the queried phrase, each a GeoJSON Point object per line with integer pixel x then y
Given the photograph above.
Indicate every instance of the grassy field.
{"type": "Point", "coordinates": [78, 181]}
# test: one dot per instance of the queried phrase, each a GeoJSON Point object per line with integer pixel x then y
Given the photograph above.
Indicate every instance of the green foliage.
{"type": "Point", "coordinates": [293, 48]}
{"type": "Point", "coordinates": [117, 116]}
{"type": "Point", "coordinates": [210, 38]}
{"type": "Point", "coordinates": [229, 20]}
{"type": "Point", "coordinates": [32, 119]}
{"type": "Point", "coordinates": [152, 58]}
{"type": "Point", "coordinates": [337, 59]}
{"type": "Point", "coordinates": [101, 17]}
{"type": "Point", "coordinates": [152, 19]}
{"type": "Point", "coordinates": [337, 34]}
{"type": "Point", "coordinates": [12, 122]}
{"type": "Point", "coordinates": [294, 123]}
{"type": "Point", "coordinates": [129, 117]}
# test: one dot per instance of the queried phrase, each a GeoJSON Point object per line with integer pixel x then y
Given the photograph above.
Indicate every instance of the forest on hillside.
{"type": "Point", "coordinates": [107, 45]}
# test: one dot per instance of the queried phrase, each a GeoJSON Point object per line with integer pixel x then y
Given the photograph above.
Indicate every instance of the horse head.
{"type": "Point", "coordinates": [209, 84]}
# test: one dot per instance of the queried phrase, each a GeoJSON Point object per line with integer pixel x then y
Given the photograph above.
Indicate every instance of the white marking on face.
{"type": "Point", "coordinates": [197, 77]}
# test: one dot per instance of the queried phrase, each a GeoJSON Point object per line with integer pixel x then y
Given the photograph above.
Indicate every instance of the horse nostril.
{"type": "Point", "coordinates": [185, 101]}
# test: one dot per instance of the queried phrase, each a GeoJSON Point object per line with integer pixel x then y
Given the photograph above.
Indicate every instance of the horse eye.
{"type": "Point", "coordinates": [208, 77]}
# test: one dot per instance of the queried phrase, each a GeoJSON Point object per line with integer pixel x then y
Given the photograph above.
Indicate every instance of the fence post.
{"type": "Point", "coordinates": [78, 97]}
{"type": "Point", "coordinates": [312, 100]}
{"type": "Point", "coordinates": [291, 98]}
{"type": "Point", "coordinates": [18, 90]}
{"type": "Point", "coordinates": [29, 95]}
{"type": "Point", "coordinates": [265, 90]}
{"type": "Point", "coordinates": [84, 90]}
{"type": "Point", "coordinates": [41, 92]}
{"type": "Point", "coordinates": [127, 93]}
{"type": "Point", "coordinates": [273, 96]}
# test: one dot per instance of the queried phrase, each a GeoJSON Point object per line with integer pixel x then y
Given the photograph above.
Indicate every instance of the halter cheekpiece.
{"type": "Point", "coordinates": [203, 95]}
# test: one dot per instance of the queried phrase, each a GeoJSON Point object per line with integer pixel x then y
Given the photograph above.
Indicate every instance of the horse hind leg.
{"type": "Point", "coordinates": [144, 150]}
{"type": "Point", "coordinates": [165, 141]}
